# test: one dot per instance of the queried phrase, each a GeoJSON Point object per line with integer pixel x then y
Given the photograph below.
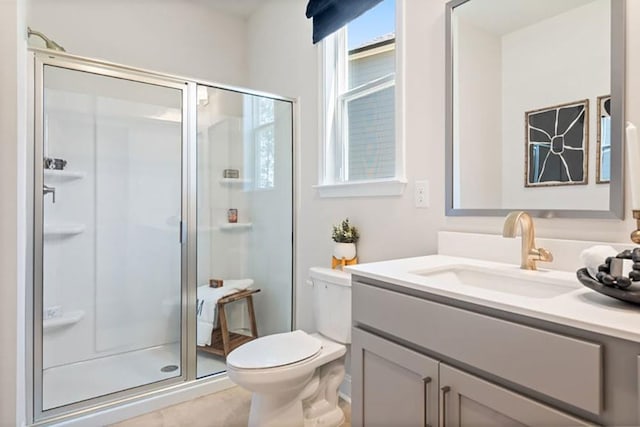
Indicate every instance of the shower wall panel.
{"type": "Point", "coordinates": [137, 238]}
{"type": "Point", "coordinates": [69, 263]}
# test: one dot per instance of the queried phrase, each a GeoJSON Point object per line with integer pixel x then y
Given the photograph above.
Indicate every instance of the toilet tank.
{"type": "Point", "coordinates": [332, 303]}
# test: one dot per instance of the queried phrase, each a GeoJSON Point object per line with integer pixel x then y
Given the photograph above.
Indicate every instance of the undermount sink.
{"type": "Point", "coordinates": [532, 284]}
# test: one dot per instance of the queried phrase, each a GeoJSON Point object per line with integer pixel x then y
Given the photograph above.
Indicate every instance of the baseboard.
{"type": "Point", "coordinates": [169, 397]}
{"type": "Point", "coordinates": [345, 388]}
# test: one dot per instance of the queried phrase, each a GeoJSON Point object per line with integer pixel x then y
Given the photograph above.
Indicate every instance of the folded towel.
{"type": "Point", "coordinates": [207, 306]}
{"type": "Point", "coordinates": [594, 256]}
{"type": "Point", "coordinates": [239, 284]}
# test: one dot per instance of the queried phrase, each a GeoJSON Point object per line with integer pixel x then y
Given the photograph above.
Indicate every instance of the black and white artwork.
{"type": "Point", "coordinates": [557, 141]}
{"type": "Point", "coordinates": [603, 152]}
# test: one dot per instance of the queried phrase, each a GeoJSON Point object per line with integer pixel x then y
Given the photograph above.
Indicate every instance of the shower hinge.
{"type": "Point", "coordinates": [182, 239]}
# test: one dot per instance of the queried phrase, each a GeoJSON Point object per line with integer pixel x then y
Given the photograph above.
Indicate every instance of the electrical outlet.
{"type": "Point", "coordinates": [52, 312]}
{"type": "Point", "coordinates": [421, 194]}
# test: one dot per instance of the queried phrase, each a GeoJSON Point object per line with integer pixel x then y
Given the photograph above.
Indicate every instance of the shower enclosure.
{"type": "Point", "coordinates": [147, 188]}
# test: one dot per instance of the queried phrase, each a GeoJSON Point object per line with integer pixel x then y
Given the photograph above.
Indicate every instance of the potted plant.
{"type": "Point", "coordinates": [345, 235]}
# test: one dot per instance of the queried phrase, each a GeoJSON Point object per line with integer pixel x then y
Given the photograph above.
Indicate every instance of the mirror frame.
{"type": "Point", "coordinates": [618, 75]}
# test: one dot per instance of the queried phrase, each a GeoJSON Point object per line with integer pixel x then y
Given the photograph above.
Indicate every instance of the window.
{"type": "Point", "coordinates": [264, 142]}
{"type": "Point", "coordinates": [361, 147]}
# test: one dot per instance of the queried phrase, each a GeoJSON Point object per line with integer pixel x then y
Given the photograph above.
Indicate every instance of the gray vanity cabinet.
{"type": "Point", "coordinates": [395, 386]}
{"type": "Point", "coordinates": [419, 362]}
{"type": "Point", "coordinates": [468, 401]}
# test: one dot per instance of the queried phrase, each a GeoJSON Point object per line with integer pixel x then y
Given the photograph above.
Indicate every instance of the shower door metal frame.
{"type": "Point", "coordinates": [41, 60]}
{"type": "Point", "coordinates": [188, 377]}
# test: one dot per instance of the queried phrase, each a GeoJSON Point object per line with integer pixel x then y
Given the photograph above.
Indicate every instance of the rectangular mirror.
{"type": "Point", "coordinates": [535, 107]}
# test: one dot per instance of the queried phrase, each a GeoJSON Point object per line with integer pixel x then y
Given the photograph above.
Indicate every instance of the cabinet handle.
{"type": "Point", "coordinates": [443, 405]}
{"type": "Point", "coordinates": [427, 382]}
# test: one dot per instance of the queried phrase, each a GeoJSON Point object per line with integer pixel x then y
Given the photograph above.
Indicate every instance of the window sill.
{"type": "Point", "coordinates": [377, 188]}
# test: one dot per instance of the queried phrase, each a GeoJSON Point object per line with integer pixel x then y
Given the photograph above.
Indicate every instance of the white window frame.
{"type": "Point", "coordinates": [334, 94]}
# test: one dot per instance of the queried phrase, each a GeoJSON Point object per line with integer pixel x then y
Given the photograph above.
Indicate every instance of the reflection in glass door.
{"type": "Point", "coordinates": [245, 221]}
{"type": "Point", "coordinates": [108, 256]}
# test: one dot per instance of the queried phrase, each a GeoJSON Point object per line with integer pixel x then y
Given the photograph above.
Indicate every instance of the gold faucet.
{"type": "Point", "coordinates": [530, 254]}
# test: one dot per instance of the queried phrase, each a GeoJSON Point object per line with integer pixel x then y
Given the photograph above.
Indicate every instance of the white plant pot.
{"type": "Point", "coordinates": [344, 250]}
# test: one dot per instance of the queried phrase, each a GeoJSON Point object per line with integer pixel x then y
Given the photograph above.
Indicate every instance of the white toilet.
{"type": "Point", "coordinates": [295, 376]}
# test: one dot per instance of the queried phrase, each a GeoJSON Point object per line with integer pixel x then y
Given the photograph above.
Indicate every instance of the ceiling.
{"type": "Point", "coordinates": [242, 8]}
{"type": "Point", "coordinates": [505, 16]}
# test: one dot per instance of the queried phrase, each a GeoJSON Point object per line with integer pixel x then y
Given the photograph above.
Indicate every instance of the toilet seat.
{"type": "Point", "coordinates": [275, 350]}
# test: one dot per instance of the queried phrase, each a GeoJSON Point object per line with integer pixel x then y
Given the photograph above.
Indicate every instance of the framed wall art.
{"type": "Point", "coordinates": [557, 145]}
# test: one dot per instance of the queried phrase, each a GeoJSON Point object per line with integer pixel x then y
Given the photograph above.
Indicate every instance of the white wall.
{"type": "Point", "coordinates": [178, 37]}
{"type": "Point", "coordinates": [530, 64]}
{"type": "Point", "coordinates": [477, 117]}
{"type": "Point", "coordinates": [12, 209]}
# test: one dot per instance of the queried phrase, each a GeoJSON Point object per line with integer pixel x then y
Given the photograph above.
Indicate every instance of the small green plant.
{"type": "Point", "coordinates": [345, 232]}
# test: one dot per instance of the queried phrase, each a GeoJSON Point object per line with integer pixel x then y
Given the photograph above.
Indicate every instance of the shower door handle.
{"type": "Point", "coordinates": [46, 190]}
{"type": "Point", "coordinates": [183, 232]}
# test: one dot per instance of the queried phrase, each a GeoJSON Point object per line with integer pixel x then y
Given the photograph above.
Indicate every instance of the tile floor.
{"type": "Point", "coordinates": [229, 408]}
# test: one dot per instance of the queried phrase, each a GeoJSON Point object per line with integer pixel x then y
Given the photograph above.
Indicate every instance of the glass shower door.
{"type": "Point", "coordinates": [109, 254]}
{"type": "Point", "coordinates": [244, 221]}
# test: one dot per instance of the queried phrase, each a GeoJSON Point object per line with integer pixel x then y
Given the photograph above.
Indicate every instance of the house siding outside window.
{"type": "Point", "coordinates": [371, 119]}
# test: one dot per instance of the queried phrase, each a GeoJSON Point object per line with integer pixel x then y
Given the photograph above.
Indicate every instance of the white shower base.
{"type": "Point", "coordinates": [66, 384]}
{"type": "Point", "coordinates": [80, 381]}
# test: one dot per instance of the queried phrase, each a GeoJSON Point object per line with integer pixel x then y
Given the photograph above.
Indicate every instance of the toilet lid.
{"type": "Point", "coordinates": [275, 350]}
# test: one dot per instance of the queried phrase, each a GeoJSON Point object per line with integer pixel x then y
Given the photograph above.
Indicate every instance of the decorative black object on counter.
{"type": "Point", "coordinates": [611, 272]}
{"type": "Point", "coordinates": [628, 295]}
{"type": "Point", "coordinates": [611, 280]}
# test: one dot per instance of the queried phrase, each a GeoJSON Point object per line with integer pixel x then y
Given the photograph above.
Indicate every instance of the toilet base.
{"type": "Point", "coordinates": [281, 410]}
{"type": "Point", "coordinates": [266, 412]}
{"type": "Point", "coordinates": [333, 418]}
{"type": "Point", "coordinates": [313, 404]}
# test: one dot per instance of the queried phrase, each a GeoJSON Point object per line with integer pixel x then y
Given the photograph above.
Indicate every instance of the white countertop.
{"type": "Point", "coordinates": [581, 308]}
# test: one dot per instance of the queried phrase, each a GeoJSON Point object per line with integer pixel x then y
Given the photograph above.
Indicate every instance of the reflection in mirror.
{"type": "Point", "coordinates": [556, 145]}
{"type": "Point", "coordinates": [529, 127]}
{"type": "Point", "coordinates": [603, 174]}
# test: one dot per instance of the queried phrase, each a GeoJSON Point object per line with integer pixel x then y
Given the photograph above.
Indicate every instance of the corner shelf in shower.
{"type": "Point", "coordinates": [55, 175]}
{"type": "Point", "coordinates": [66, 319]}
{"type": "Point", "coordinates": [231, 181]}
{"type": "Point", "coordinates": [236, 225]}
{"type": "Point", "coordinates": [63, 230]}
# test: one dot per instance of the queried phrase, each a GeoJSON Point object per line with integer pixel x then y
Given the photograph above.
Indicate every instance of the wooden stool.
{"type": "Point", "coordinates": [224, 342]}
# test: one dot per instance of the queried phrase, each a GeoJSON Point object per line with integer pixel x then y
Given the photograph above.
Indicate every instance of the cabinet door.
{"type": "Point", "coordinates": [466, 400]}
{"type": "Point", "coordinates": [391, 385]}
{"type": "Point", "coordinates": [638, 396]}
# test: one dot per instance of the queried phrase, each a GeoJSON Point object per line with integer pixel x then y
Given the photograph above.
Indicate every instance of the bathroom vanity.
{"type": "Point", "coordinates": [451, 341]}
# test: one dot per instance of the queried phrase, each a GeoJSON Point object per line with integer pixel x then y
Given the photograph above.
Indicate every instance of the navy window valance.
{"type": "Point", "coordinates": [331, 15]}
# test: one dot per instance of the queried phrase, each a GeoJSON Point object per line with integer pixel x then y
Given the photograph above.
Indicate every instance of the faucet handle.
{"type": "Point", "coordinates": [46, 190]}
{"type": "Point", "coordinates": [542, 254]}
